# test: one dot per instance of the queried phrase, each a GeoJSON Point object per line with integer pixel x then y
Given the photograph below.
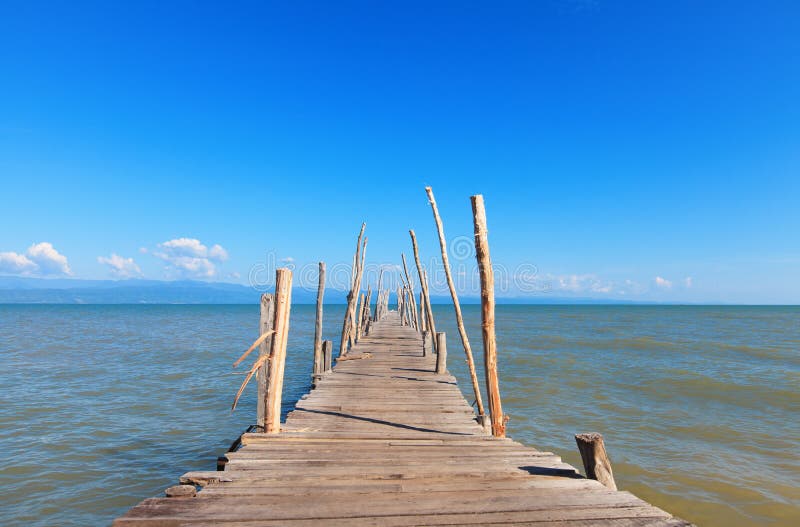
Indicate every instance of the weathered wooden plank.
{"type": "Point", "coordinates": [385, 441]}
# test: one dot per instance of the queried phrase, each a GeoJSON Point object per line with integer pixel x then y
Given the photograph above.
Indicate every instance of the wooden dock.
{"type": "Point", "coordinates": [384, 441]}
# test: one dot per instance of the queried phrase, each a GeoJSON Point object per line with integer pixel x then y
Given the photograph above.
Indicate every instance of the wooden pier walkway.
{"type": "Point", "coordinates": [384, 441]}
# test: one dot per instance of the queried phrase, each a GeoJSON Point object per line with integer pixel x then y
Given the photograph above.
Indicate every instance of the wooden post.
{"type": "Point", "coordinates": [327, 355]}
{"type": "Point", "coordinates": [379, 294]}
{"type": "Point", "coordinates": [487, 316]}
{"type": "Point", "coordinates": [412, 302]}
{"type": "Point", "coordinates": [595, 459]}
{"type": "Point", "coordinates": [351, 296]}
{"type": "Point", "coordinates": [360, 317]}
{"type": "Point", "coordinates": [400, 310]}
{"type": "Point", "coordinates": [318, 326]}
{"type": "Point", "coordinates": [424, 286]}
{"type": "Point", "coordinates": [424, 342]}
{"type": "Point", "coordinates": [441, 353]}
{"type": "Point", "coordinates": [354, 320]}
{"type": "Point", "coordinates": [423, 324]}
{"type": "Point", "coordinates": [277, 354]}
{"type": "Point", "coordinates": [264, 325]}
{"type": "Point", "coordinates": [457, 307]}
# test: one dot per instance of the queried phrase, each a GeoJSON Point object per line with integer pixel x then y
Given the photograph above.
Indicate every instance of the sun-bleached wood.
{"type": "Point", "coordinates": [441, 353]}
{"type": "Point", "coordinates": [462, 332]}
{"type": "Point", "coordinates": [327, 355]}
{"type": "Point", "coordinates": [352, 295]}
{"type": "Point", "coordinates": [264, 326]}
{"type": "Point", "coordinates": [423, 282]}
{"type": "Point", "coordinates": [411, 300]}
{"type": "Point", "coordinates": [277, 354]}
{"type": "Point", "coordinates": [386, 442]}
{"type": "Point", "coordinates": [595, 459]}
{"type": "Point", "coordinates": [487, 316]}
{"type": "Point", "coordinates": [318, 325]}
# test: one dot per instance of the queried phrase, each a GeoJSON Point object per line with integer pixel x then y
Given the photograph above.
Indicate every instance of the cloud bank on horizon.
{"type": "Point", "coordinates": [190, 258]}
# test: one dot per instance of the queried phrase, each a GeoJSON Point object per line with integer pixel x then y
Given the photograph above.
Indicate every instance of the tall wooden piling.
{"type": "Point", "coordinates": [352, 296]}
{"type": "Point", "coordinates": [487, 316]}
{"type": "Point", "coordinates": [595, 459]}
{"type": "Point", "coordinates": [457, 307]}
{"type": "Point", "coordinates": [318, 326]}
{"type": "Point", "coordinates": [360, 317]}
{"type": "Point", "coordinates": [413, 303]}
{"type": "Point", "coordinates": [277, 354]}
{"type": "Point", "coordinates": [441, 353]}
{"type": "Point", "coordinates": [327, 355]}
{"type": "Point", "coordinates": [264, 327]}
{"type": "Point", "coordinates": [431, 326]}
{"type": "Point", "coordinates": [378, 294]}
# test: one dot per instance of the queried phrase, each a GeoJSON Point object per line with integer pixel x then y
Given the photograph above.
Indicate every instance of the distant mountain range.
{"type": "Point", "coordinates": [19, 290]}
{"type": "Point", "coordinates": [25, 290]}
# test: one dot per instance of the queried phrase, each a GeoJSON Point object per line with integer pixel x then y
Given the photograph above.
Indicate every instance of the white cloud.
{"type": "Point", "coordinates": [120, 267]}
{"type": "Point", "coordinates": [14, 263]}
{"type": "Point", "coordinates": [663, 283]}
{"type": "Point", "coordinates": [218, 253]}
{"type": "Point", "coordinates": [581, 283]}
{"type": "Point", "coordinates": [49, 260]}
{"type": "Point", "coordinates": [143, 250]}
{"type": "Point", "coordinates": [288, 259]}
{"type": "Point", "coordinates": [40, 258]}
{"type": "Point", "coordinates": [687, 282]}
{"type": "Point", "coordinates": [190, 258]}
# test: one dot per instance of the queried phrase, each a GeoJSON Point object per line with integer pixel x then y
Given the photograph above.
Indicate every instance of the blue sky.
{"type": "Point", "coordinates": [641, 150]}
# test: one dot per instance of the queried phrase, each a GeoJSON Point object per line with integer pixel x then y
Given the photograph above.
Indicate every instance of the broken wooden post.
{"type": "Point", "coordinates": [595, 459]}
{"type": "Point", "coordinates": [457, 307]}
{"type": "Point", "coordinates": [487, 316]}
{"type": "Point", "coordinates": [426, 300]}
{"type": "Point", "coordinates": [264, 326]}
{"type": "Point", "coordinates": [277, 354]}
{"type": "Point", "coordinates": [327, 355]}
{"type": "Point", "coordinates": [441, 353]}
{"type": "Point", "coordinates": [318, 326]}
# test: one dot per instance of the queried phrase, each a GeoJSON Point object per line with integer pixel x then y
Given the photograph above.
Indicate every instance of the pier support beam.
{"type": "Point", "coordinates": [277, 354]}
{"type": "Point", "coordinates": [595, 459]}
{"type": "Point", "coordinates": [264, 326]}
{"type": "Point", "coordinates": [487, 316]}
{"type": "Point", "coordinates": [441, 353]}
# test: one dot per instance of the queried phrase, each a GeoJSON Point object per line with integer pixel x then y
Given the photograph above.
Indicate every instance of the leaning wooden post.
{"type": "Point", "coordinates": [441, 355]}
{"type": "Point", "coordinates": [264, 326]}
{"type": "Point", "coordinates": [423, 317]}
{"type": "Point", "coordinates": [327, 355]}
{"type": "Point", "coordinates": [487, 316]}
{"type": "Point", "coordinates": [359, 275]}
{"type": "Point", "coordinates": [431, 326]}
{"type": "Point", "coordinates": [277, 354]}
{"type": "Point", "coordinates": [318, 325]}
{"type": "Point", "coordinates": [412, 302]}
{"type": "Point", "coordinates": [351, 296]}
{"type": "Point", "coordinates": [457, 307]}
{"type": "Point", "coordinates": [595, 459]}
{"type": "Point", "coordinates": [379, 294]}
{"type": "Point", "coordinates": [360, 317]}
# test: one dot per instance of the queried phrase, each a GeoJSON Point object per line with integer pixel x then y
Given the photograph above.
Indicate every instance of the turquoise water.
{"type": "Point", "coordinates": [103, 406]}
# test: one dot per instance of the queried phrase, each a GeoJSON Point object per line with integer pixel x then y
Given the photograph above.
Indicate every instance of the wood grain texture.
{"type": "Point", "coordinates": [462, 332]}
{"type": "Point", "coordinates": [385, 441]}
{"type": "Point", "coordinates": [486, 273]}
